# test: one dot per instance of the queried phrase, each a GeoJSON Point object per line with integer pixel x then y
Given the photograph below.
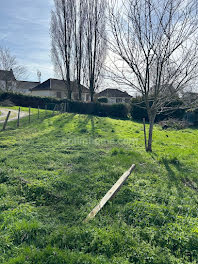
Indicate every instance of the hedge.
{"type": "Point", "coordinates": [28, 100]}
{"type": "Point", "coordinates": [116, 110]}
{"type": "Point", "coordinates": [95, 108]}
{"type": "Point", "coordinates": [138, 110]}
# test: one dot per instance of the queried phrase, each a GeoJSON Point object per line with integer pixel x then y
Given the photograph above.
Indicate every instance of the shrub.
{"type": "Point", "coordinates": [28, 100]}
{"type": "Point", "coordinates": [117, 110]}
{"type": "Point", "coordinates": [174, 124]}
{"type": "Point", "coordinates": [138, 110]}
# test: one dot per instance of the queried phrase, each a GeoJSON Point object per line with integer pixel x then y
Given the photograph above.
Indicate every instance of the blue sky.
{"type": "Point", "coordinates": [24, 29]}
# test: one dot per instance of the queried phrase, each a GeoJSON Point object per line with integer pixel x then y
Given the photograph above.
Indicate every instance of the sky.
{"type": "Point", "coordinates": [24, 29]}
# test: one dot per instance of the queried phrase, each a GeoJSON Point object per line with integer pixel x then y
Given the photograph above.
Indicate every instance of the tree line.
{"type": "Point", "coordinates": [78, 33]}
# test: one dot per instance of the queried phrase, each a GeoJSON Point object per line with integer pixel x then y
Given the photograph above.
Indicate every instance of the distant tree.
{"type": "Point", "coordinates": [79, 42]}
{"type": "Point", "coordinates": [39, 74]}
{"type": "Point", "coordinates": [8, 62]}
{"type": "Point", "coordinates": [157, 45]}
{"type": "Point", "coordinates": [62, 35]}
{"type": "Point", "coordinates": [96, 44]}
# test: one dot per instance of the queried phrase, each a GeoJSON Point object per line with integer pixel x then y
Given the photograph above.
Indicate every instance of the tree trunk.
{"type": "Point", "coordinates": [150, 137]}
{"type": "Point", "coordinates": [92, 96]}
{"type": "Point", "coordinates": [91, 89]}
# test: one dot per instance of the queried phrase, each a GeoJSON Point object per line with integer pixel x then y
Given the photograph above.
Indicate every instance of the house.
{"type": "Point", "coordinates": [25, 87]}
{"type": "Point", "coordinates": [7, 81]}
{"type": "Point", "coordinates": [114, 96]}
{"type": "Point", "coordinates": [57, 88]}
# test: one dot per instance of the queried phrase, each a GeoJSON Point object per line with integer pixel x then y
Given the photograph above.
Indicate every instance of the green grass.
{"type": "Point", "coordinates": [56, 169]}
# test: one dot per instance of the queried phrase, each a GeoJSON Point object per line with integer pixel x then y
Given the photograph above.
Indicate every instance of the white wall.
{"type": "Point", "coordinates": [46, 93]}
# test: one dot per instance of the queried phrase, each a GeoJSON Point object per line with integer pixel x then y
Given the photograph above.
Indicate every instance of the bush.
{"type": "Point", "coordinates": [138, 110]}
{"type": "Point", "coordinates": [174, 124]}
{"type": "Point", "coordinates": [28, 100]}
{"type": "Point", "coordinates": [117, 110]}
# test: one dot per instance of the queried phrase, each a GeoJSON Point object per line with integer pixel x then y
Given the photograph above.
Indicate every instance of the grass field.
{"type": "Point", "coordinates": [56, 169]}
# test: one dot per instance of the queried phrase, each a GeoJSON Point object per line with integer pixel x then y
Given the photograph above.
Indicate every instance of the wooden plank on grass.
{"type": "Point", "coordinates": [116, 187]}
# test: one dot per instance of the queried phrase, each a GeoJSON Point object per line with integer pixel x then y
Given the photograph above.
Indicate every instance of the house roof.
{"type": "Point", "coordinates": [24, 85]}
{"type": "Point", "coordinates": [7, 75]}
{"type": "Point", "coordinates": [113, 93]}
{"type": "Point", "coordinates": [58, 85]}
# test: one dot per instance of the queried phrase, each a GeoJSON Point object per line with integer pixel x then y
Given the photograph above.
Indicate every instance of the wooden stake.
{"type": "Point", "coordinates": [29, 114]}
{"type": "Point", "coordinates": [54, 109]}
{"type": "Point", "coordinates": [145, 140]}
{"type": "Point", "coordinates": [45, 110]}
{"type": "Point", "coordinates": [6, 120]}
{"type": "Point", "coordinates": [38, 112]}
{"type": "Point", "coordinates": [18, 120]}
{"type": "Point", "coordinates": [110, 194]}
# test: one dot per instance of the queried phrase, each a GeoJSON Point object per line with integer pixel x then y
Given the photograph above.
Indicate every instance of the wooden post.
{"type": "Point", "coordinates": [38, 112]}
{"type": "Point", "coordinates": [45, 110]}
{"type": "Point", "coordinates": [111, 193]}
{"type": "Point", "coordinates": [145, 140]}
{"type": "Point", "coordinates": [29, 114]}
{"type": "Point", "coordinates": [6, 120]}
{"type": "Point", "coordinates": [54, 109]}
{"type": "Point", "coordinates": [65, 108]}
{"type": "Point", "coordinates": [61, 108]}
{"type": "Point", "coordinates": [18, 120]}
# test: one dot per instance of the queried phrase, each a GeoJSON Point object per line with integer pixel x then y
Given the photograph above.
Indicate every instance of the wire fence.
{"type": "Point", "coordinates": [32, 114]}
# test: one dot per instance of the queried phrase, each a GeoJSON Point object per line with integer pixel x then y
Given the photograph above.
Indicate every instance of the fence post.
{"type": "Point", "coordinates": [65, 108]}
{"type": "Point", "coordinates": [45, 110]}
{"type": "Point", "coordinates": [61, 108]}
{"type": "Point", "coordinates": [38, 112]}
{"type": "Point", "coordinates": [6, 120]}
{"type": "Point", "coordinates": [29, 114]}
{"type": "Point", "coordinates": [18, 120]}
{"type": "Point", "coordinates": [54, 109]}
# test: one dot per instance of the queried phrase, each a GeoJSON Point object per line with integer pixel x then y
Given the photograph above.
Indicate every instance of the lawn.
{"type": "Point", "coordinates": [56, 169]}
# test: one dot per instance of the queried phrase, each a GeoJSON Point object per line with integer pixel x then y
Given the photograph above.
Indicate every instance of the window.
{"type": "Point", "coordinates": [58, 95]}
{"type": "Point", "coordinates": [127, 101]}
{"type": "Point", "coordinates": [118, 100]}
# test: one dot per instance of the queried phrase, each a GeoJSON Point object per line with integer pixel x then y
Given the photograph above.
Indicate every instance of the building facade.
{"type": "Point", "coordinates": [115, 96]}
{"type": "Point", "coordinates": [58, 89]}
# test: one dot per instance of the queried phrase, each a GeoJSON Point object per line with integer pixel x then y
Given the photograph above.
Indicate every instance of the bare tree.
{"type": "Point", "coordinates": [80, 10]}
{"type": "Point", "coordinates": [62, 34]}
{"type": "Point", "coordinates": [95, 39]}
{"type": "Point", "coordinates": [158, 45]}
{"type": "Point", "coordinates": [8, 62]}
